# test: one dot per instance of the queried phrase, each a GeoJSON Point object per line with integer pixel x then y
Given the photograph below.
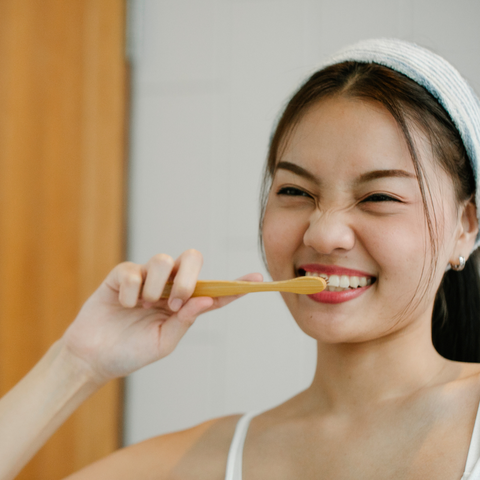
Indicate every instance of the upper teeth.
{"type": "Point", "coordinates": [341, 282]}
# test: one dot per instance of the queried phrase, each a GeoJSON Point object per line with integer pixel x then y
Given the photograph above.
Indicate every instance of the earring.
{"type": "Point", "coordinates": [461, 264]}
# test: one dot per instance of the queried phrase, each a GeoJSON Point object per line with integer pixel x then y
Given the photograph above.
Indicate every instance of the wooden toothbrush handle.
{"type": "Point", "coordinates": [222, 288]}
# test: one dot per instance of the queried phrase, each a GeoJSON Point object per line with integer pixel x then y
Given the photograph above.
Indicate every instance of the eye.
{"type": "Point", "coordinates": [292, 192]}
{"type": "Point", "coordinates": [380, 197]}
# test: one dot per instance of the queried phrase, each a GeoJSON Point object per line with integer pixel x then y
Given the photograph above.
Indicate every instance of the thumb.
{"type": "Point", "coordinates": [252, 277]}
{"type": "Point", "coordinates": [219, 302]}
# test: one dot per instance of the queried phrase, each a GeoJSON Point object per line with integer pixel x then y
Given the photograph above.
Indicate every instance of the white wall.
{"type": "Point", "coordinates": [209, 78]}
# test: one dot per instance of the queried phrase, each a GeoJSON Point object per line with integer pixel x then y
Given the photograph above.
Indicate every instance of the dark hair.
{"type": "Point", "coordinates": [456, 315]}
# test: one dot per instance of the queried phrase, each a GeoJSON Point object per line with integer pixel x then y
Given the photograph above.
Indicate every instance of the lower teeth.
{"type": "Point", "coordinates": [338, 289]}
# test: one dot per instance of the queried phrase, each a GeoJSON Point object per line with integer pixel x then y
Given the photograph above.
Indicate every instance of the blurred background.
{"type": "Point", "coordinates": [129, 129]}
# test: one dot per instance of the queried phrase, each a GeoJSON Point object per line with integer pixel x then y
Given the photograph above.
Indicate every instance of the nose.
{"type": "Point", "coordinates": [329, 232]}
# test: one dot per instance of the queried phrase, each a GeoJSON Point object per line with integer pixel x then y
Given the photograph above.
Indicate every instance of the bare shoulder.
{"type": "Point", "coordinates": [197, 453]}
{"type": "Point", "coordinates": [460, 386]}
{"type": "Point", "coordinates": [468, 371]}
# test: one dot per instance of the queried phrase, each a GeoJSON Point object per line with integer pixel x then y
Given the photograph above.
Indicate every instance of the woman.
{"type": "Point", "coordinates": [371, 183]}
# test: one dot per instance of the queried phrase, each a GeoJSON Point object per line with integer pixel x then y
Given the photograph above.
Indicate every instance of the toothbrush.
{"type": "Point", "coordinates": [222, 288]}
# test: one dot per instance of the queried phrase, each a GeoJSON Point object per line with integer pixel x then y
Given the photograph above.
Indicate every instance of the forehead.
{"type": "Point", "coordinates": [347, 136]}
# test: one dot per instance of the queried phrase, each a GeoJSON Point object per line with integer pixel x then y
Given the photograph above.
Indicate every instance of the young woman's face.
{"type": "Point", "coordinates": [345, 203]}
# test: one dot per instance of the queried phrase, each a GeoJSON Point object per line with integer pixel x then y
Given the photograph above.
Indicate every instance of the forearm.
{"type": "Point", "coordinates": [32, 411]}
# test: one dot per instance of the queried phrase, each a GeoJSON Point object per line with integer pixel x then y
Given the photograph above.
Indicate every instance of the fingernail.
{"type": "Point", "coordinates": [176, 304]}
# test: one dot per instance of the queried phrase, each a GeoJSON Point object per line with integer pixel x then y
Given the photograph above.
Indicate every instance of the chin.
{"type": "Point", "coordinates": [330, 326]}
{"type": "Point", "coordinates": [328, 329]}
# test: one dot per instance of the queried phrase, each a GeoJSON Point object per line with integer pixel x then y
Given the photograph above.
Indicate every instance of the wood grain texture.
{"type": "Point", "coordinates": [224, 288]}
{"type": "Point", "coordinates": [63, 98]}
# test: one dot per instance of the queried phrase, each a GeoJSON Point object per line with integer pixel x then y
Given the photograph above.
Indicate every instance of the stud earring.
{"type": "Point", "coordinates": [461, 264]}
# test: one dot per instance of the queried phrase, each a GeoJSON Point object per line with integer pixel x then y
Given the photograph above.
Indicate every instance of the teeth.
{"type": "Point", "coordinates": [336, 283]}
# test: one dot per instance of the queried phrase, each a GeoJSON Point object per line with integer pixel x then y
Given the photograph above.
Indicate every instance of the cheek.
{"type": "Point", "coordinates": [282, 235]}
{"type": "Point", "coordinates": [400, 247]}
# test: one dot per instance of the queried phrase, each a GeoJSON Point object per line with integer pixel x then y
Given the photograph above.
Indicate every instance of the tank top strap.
{"type": "Point", "coordinates": [235, 454]}
{"type": "Point", "coordinates": [473, 464]}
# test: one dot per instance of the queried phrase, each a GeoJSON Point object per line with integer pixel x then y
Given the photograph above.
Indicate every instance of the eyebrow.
{"type": "Point", "coordinates": [373, 175]}
{"type": "Point", "coordinates": [297, 170]}
{"type": "Point", "coordinates": [364, 178]}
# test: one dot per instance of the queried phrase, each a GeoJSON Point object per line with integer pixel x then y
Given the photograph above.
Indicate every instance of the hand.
{"type": "Point", "coordinates": [125, 325]}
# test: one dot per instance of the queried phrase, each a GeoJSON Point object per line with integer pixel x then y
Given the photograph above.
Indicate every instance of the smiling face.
{"type": "Point", "coordinates": [345, 202]}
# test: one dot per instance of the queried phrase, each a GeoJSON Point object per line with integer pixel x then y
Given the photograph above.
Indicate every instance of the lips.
{"type": "Point", "coordinates": [343, 284]}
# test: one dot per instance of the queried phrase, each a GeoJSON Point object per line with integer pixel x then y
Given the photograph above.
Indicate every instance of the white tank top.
{"type": "Point", "coordinates": [235, 454]}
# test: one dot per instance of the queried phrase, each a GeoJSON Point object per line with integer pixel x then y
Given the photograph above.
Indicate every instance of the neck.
{"type": "Point", "coordinates": [355, 375]}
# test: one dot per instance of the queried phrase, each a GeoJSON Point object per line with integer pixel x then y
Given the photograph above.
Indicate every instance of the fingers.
{"type": "Point", "coordinates": [136, 282]}
{"type": "Point", "coordinates": [161, 267]}
{"type": "Point", "coordinates": [157, 271]}
{"type": "Point", "coordinates": [187, 267]}
{"type": "Point", "coordinates": [127, 280]}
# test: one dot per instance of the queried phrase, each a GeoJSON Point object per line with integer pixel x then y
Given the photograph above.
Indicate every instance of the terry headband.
{"type": "Point", "coordinates": [438, 77]}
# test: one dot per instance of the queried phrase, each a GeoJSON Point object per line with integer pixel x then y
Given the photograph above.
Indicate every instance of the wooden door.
{"type": "Point", "coordinates": [63, 82]}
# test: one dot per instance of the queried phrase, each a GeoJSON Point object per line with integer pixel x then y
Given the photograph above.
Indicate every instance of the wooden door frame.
{"type": "Point", "coordinates": [63, 110]}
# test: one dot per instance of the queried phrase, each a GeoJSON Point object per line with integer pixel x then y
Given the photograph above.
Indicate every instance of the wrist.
{"type": "Point", "coordinates": [32, 411]}
{"type": "Point", "coordinates": [72, 368]}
